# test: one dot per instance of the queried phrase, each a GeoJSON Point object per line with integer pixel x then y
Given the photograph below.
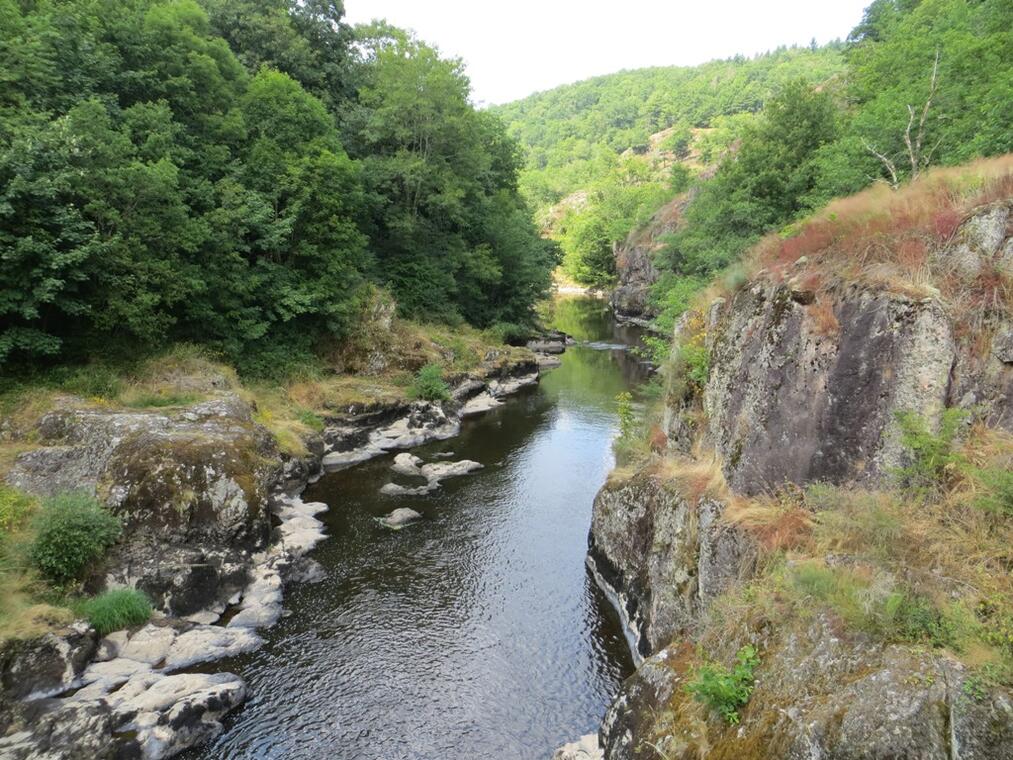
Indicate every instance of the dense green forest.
{"type": "Point", "coordinates": [833, 120]}
{"type": "Point", "coordinates": [242, 174]}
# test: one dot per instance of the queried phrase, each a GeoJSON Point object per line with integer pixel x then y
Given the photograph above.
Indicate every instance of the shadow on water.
{"type": "Point", "coordinates": [476, 632]}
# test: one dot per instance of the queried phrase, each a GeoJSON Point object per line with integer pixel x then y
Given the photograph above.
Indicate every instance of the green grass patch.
{"type": "Point", "coordinates": [113, 610]}
{"type": "Point", "coordinates": [158, 399]}
{"type": "Point", "coordinates": [15, 509]}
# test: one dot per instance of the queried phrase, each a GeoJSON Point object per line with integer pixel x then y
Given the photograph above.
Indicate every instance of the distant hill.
{"type": "Point", "coordinates": [622, 110]}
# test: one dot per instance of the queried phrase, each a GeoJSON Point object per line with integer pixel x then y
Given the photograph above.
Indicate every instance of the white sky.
{"type": "Point", "coordinates": [515, 47]}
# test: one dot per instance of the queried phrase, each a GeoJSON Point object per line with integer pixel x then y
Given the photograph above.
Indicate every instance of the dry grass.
{"type": "Point", "coordinates": [886, 240]}
{"type": "Point", "coordinates": [695, 477]}
{"type": "Point", "coordinates": [859, 548]}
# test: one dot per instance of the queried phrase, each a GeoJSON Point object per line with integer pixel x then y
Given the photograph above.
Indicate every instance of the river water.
{"type": "Point", "coordinates": [476, 633]}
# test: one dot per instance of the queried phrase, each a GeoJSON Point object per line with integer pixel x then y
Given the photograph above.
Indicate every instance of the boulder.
{"type": "Point", "coordinates": [585, 748]}
{"type": "Point", "coordinates": [400, 518]}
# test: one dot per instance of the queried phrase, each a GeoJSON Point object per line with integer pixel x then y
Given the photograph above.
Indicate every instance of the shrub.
{"type": "Point", "coordinates": [933, 458]}
{"type": "Point", "coordinates": [14, 508]}
{"type": "Point", "coordinates": [429, 384]}
{"type": "Point", "coordinates": [113, 610]}
{"type": "Point", "coordinates": [92, 381]}
{"type": "Point", "coordinates": [510, 333]}
{"type": "Point", "coordinates": [311, 420]}
{"type": "Point", "coordinates": [627, 419]}
{"type": "Point", "coordinates": [73, 530]}
{"type": "Point", "coordinates": [723, 689]}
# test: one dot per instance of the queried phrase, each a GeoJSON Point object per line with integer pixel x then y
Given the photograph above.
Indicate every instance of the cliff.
{"type": "Point", "coordinates": [832, 495]}
{"type": "Point", "coordinates": [635, 267]}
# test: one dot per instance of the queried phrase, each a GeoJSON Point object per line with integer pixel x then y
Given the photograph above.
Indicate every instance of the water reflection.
{"type": "Point", "coordinates": [476, 633]}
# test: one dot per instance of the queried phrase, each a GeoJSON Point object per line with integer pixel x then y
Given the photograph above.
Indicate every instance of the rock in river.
{"type": "Point", "coordinates": [400, 517]}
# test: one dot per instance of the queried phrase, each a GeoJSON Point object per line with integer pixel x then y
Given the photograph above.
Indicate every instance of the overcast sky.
{"type": "Point", "coordinates": [515, 47]}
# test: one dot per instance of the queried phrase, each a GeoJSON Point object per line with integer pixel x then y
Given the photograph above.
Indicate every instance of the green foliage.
{"type": "Point", "coordinates": [72, 531]}
{"type": "Point", "coordinates": [996, 494]}
{"type": "Point", "coordinates": [622, 199]}
{"type": "Point", "coordinates": [15, 508]}
{"type": "Point", "coordinates": [311, 420]}
{"type": "Point", "coordinates": [620, 111]}
{"type": "Point", "coordinates": [933, 458]}
{"type": "Point", "coordinates": [116, 609]}
{"type": "Point", "coordinates": [627, 419]}
{"type": "Point", "coordinates": [429, 384]}
{"type": "Point", "coordinates": [510, 333]}
{"type": "Point", "coordinates": [159, 399]}
{"type": "Point", "coordinates": [726, 690]}
{"type": "Point", "coordinates": [679, 178]}
{"type": "Point", "coordinates": [877, 607]}
{"type": "Point", "coordinates": [170, 173]}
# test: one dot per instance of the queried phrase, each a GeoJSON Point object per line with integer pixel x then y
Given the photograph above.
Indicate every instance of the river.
{"type": "Point", "coordinates": [478, 632]}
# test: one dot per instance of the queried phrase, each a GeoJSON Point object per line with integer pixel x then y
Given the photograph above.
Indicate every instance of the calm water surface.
{"type": "Point", "coordinates": [477, 632]}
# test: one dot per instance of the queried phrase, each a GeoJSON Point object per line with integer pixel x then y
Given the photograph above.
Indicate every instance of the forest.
{"type": "Point", "coordinates": [243, 174]}
{"type": "Point", "coordinates": [762, 143]}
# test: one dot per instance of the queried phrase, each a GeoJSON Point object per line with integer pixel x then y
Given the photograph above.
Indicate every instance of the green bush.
{"type": "Point", "coordinates": [73, 530]}
{"type": "Point", "coordinates": [723, 689]}
{"type": "Point", "coordinates": [14, 508]}
{"type": "Point", "coordinates": [113, 610]}
{"type": "Point", "coordinates": [429, 384]}
{"type": "Point", "coordinates": [932, 455]}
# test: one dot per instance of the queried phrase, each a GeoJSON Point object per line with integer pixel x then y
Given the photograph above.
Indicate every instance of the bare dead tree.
{"type": "Point", "coordinates": [916, 154]}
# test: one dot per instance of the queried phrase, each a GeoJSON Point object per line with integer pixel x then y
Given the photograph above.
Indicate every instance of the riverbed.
{"type": "Point", "coordinates": [476, 632]}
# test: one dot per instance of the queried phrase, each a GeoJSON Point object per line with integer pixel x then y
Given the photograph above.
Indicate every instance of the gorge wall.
{"type": "Point", "coordinates": [802, 388]}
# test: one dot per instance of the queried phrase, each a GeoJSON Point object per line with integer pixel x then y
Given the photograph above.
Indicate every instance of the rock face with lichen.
{"type": "Point", "coordinates": [802, 389]}
{"type": "Point", "coordinates": [660, 556]}
{"type": "Point", "coordinates": [190, 486]}
{"type": "Point", "coordinates": [796, 395]}
{"type": "Point", "coordinates": [824, 695]}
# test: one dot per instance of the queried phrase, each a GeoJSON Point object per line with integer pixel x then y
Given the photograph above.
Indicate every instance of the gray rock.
{"type": "Point", "coordinates": [788, 403]}
{"type": "Point", "coordinates": [1002, 345]}
{"type": "Point", "coordinates": [819, 695]}
{"type": "Point", "coordinates": [49, 664]}
{"type": "Point", "coordinates": [585, 748]}
{"type": "Point", "coordinates": [978, 241]}
{"type": "Point", "coordinates": [400, 518]}
{"type": "Point", "coordinates": [660, 558]}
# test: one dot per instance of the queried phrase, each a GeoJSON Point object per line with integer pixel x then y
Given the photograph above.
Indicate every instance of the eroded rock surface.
{"type": "Point", "coordinates": [789, 402]}
{"type": "Point", "coordinates": [819, 695]}
{"type": "Point", "coordinates": [660, 557]}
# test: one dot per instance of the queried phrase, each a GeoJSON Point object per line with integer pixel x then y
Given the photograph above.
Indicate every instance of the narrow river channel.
{"type": "Point", "coordinates": [476, 633]}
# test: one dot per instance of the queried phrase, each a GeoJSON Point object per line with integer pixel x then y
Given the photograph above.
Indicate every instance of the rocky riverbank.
{"type": "Point", "coordinates": [719, 541]}
{"type": "Point", "coordinates": [213, 529]}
